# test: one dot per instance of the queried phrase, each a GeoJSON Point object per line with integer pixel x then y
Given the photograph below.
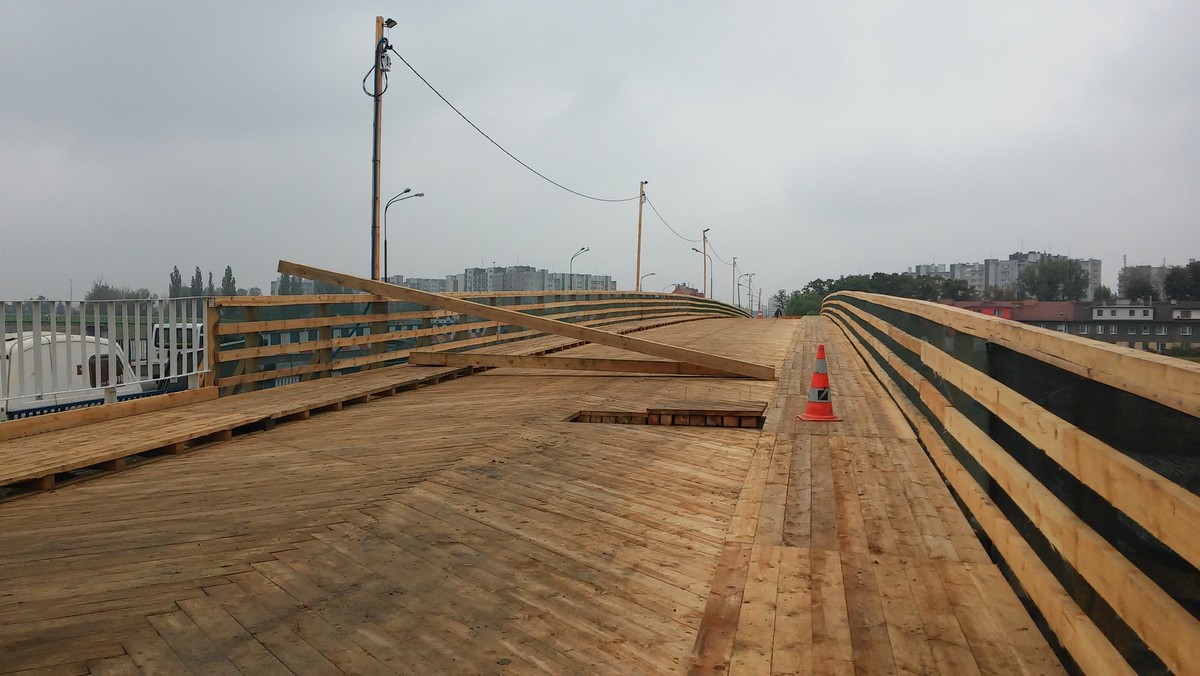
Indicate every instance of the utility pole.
{"type": "Point", "coordinates": [704, 255]}
{"type": "Point", "coordinates": [638, 268]}
{"type": "Point", "coordinates": [382, 63]}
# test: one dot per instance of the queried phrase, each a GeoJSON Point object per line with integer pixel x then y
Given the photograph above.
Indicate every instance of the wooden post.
{"type": "Point", "coordinates": [212, 343]}
{"type": "Point", "coordinates": [325, 354]}
{"type": "Point", "coordinates": [378, 133]}
{"type": "Point", "coordinates": [637, 270]}
{"type": "Point", "coordinates": [253, 339]}
{"type": "Point", "coordinates": [378, 329]}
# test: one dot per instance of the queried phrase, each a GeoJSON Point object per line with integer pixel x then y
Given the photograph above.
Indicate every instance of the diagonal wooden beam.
{"type": "Point", "coordinates": [463, 306]}
{"type": "Point", "coordinates": [483, 360]}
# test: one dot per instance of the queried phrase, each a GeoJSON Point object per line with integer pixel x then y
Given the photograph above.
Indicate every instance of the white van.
{"type": "Point", "coordinates": [61, 372]}
{"type": "Point", "coordinates": [176, 350]}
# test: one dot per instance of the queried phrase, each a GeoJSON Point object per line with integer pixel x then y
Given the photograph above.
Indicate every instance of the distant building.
{"type": "Point", "coordinates": [685, 290]}
{"type": "Point", "coordinates": [1156, 327]}
{"type": "Point", "coordinates": [1004, 274]}
{"type": "Point", "coordinates": [508, 278]}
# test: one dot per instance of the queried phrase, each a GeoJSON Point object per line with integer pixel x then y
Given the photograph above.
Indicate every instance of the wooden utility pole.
{"type": "Point", "coordinates": [375, 152]}
{"type": "Point", "coordinates": [704, 257]}
{"type": "Point", "coordinates": [637, 275]}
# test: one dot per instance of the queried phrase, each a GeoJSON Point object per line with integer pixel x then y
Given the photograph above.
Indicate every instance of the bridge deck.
{"type": "Point", "coordinates": [466, 527]}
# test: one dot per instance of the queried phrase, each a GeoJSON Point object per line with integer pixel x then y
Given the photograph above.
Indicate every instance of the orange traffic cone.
{"type": "Point", "coordinates": [820, 404]}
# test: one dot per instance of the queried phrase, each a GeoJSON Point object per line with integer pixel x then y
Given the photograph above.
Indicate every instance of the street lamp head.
{"type": "Point", "coordinates": [706, 229]}
{"type": "Point", "coordinates": [406, 191]}
{"type": "Point", "coordinates": [420, 194]}
{"type": "Point", "coordinates": [697, 250]}
{"type": "Point", "coordinates": [390, 23]}
{"type": "Point", "coordinates": [645, 182]}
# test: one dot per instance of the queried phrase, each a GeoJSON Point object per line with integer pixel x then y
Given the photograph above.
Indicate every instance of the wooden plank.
{"type": "Point", "coordinates": [422, 358]}
{"type": "Point", "coordinates": [591, 335]}
{"type": "Point", "coordinates": [1086, 643]}
{"type": "Point", "coordinates": [15, 429]}
{"type": "Point", "coordinates": [1166, 380]}
{"type": "Point", "coordinates": [754, 642]}
{"type": "Point", "coordinates": [792, 651]}
{"type": "Point", "coordinates": [1165, 509]}
{"type": "Point", "coordinates": [718, 628]}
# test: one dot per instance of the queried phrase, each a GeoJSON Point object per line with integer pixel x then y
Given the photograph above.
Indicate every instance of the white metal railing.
{"type": "Point", "coordinates": [59, 355]}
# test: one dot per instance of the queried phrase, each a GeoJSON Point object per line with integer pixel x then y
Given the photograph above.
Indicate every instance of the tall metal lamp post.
{"type": "Point", "coordinates": [571, 266]}
{"type": "Point", "coordinates": [642, 280]}
{"type": "Point", "coordinates": [398, 198]}
{"type": "Point", "coordinates": [739, 287]}
{"type": "Point", "coordinates": [708, 265]}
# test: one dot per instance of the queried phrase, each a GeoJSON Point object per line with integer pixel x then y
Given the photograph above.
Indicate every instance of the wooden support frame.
{"type": "Point", "coordinates": [440, 301]}
{"type": "Point", "coordinates": [460, 359]}
{"type": "Point", "coordinates": [1139, 602]}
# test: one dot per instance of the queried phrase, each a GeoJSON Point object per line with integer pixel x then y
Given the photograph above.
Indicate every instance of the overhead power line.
{"type": "Point", "coordinates": [714, 252]}
{"type": "Point", "coordinates": [664, 221]}
{"type": "Point", "coordinates": [493, 141]}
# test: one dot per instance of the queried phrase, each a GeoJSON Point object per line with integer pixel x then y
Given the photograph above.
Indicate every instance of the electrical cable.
{"type": "Point", "coordinates": [714, 252]}
{"type": "Point", "coordinates": [493, 141]}
{"type": "Point", "coordinates": [364, 83]}
{"type": "Point", "coordinates": [664, 222]}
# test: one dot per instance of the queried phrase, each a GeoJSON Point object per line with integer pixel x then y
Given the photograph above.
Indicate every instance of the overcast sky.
{"type": "Point", "coordinates": [814, 139]}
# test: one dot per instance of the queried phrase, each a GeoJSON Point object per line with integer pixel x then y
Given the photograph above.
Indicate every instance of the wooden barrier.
{"type": "Point", "coordinates": [253, 345]}
{"type": "Point", "coordinates": [1161, 507]}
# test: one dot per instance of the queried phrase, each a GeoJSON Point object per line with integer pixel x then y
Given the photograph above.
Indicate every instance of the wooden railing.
{"type": "Point", "coordinates": [271, 340]}
{"type": "Point", "coordinates": [1079, 461]}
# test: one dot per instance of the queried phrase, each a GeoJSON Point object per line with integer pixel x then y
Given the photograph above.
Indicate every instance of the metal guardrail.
{"type": "Point", "coordinates": [59, 355]}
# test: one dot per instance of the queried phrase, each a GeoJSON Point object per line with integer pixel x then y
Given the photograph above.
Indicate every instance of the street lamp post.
{"type": "Point", "coordinates": [705, 280]}
{"type": "Point", "coordinates": [571, 266]}
{"type": "Point", "coordinates": [398, 198]}
{"type": "Point", "coordinates": [739, 287]}
{"type": "Point", "coordinates": [643, 278]}
{"type": "Point", "coordinates": [733, 280]}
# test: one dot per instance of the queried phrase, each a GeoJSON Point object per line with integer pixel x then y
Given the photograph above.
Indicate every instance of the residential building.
{"type": "Point", "coordinates": [1004, 274]}
{"type": "Point", "coordinates": [1157, 327]}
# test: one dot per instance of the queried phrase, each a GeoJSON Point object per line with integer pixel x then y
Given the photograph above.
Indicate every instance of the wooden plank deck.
{"type": "Point", "coordinates": [38, 461]}
{"type": "Point", "coordinates": [467, 528]}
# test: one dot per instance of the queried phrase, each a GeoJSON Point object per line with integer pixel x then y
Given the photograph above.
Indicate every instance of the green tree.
{"type": "Point", "coordinates": [781, 298]}
{"type": "Point", "coordinates": [957, 289]}
{"type": "Point", "coordinates": [175, 289]}
{"type": "Point", "coordinates": [802, 304]}
{"type": "Point", "coordinates": [1135, 284]}
{"type": "Point", "coordinates": [197, 286]}
{"type": "Point", "coordinates": [228, 283]}
{"type": "Point", "coordinates": [210, 290]}
{"type": "Point", "coordinates": [1182, 282]}
{"type": "Point", "coordinates": [102, 290]}
{"type": "Point", "coordinates": [1053, 279]}
{"type": "Point", "coordinates": [254, 291]}
{"type": "Point", "coordinates": [1103, 294]}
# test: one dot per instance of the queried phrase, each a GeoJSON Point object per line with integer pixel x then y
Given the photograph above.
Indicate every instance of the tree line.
{"type": "Point", "coordinates": [1181, 282]}
{"type": "Point", "coordinates": [1048, 279]}
{"type": "Point", "coordinates": [102, 290]}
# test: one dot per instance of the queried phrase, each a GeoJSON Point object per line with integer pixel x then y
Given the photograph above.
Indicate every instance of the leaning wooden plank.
{"type": "Point", "coordinates": [561, 363]}
{"type": "Point", "coordinates": [596, 336]}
